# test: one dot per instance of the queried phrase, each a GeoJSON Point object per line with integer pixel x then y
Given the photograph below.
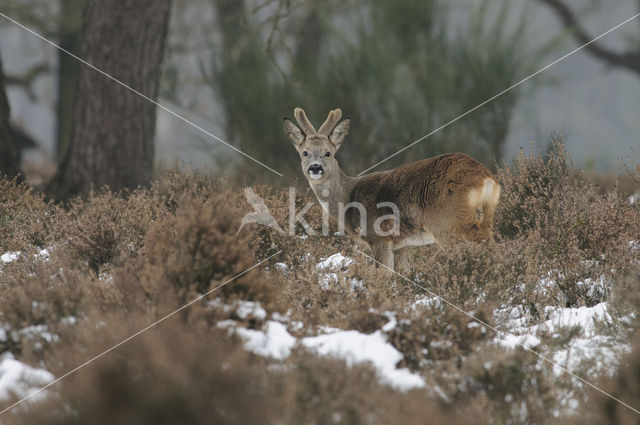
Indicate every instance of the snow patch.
{"type": "Point", "coordinates": [43, 255]}
{"type": "Point", "coordinates": [10, 256]}
{"type": "Point", "coordinates": [427, 302]}
{"type": "Point", "coordinates": [334, 262]}
{"type": "Point", "coordinates": [600, 351]}
{"type": "Point", "coordinates": [275, 341]}
{"type": "Point", "coordinates": [355, 347]}
{"type": "Point", "coordinates": [19, 380]}
{"type": "Point", "coordinates": [510, 341]}
{"type": "Point", "coordinates": [585, 317]}
{"type": "Point", "coordinates": [326, 279]}
{"type": "Point", "coordinates": [34, 332]}
{"type": "Point", "coordinates": [392, 323]}
{"type": "Point", "coordinates": [246, 309]}
{"type": "Point", "coordinates": [281, 266]}
{"type": "Point", "coordinates": [243, 309]}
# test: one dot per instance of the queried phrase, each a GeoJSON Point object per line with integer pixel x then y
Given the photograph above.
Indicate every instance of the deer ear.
{"type": "Point", "coordinates": [293, 132]}
{"type": "Point", "coordinates": [340, 131]}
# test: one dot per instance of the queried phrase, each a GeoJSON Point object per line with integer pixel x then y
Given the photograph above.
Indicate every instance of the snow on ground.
{"type": "Point", "coordinates": [598, 352]}
{"type": "Point", "coordinates": [11, 256]}
{"type": "Point", "coordinates": [355, 347]}
{"type": "Point", "coordinates": [43, 254]}
{"type": "Point", "coordinates": [428, 303]}
{"type": "Point", "coordinates": [19, 380]}
{"type": "Point", "coordinates": [246, 309]}
{"type": "Point", "coordinates": [587, 353]}
{"type": "Point", "coordinates": [511, 341]}
{"type": "Point", "coordinates": [587, 345]}
{"type": "Point", "coordinates": [281, 266]}
{"type": "Point", "coordinates": [243, 309]}
{"type": "Point", "coordinates": [334, 262]}
{"type": "Point", "coordinates": [329, 268]}
{"type": "Point", "coordinates": [274, 341]}
{"type": "Point", "coordinates": [8, 257]}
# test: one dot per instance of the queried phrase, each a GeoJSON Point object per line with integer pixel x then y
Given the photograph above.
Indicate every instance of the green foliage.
{"type": "Point", "coordinates": [398, 69]}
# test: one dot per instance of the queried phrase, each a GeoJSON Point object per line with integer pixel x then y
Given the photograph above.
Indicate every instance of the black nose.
{"type": "Point", "coordinates": [316, 169]}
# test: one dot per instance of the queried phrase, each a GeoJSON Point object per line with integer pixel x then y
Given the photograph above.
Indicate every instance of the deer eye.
{"type": "Point", "coordinates": [305, 153]}
{"type": "Point", "coordinates": [328, 154]}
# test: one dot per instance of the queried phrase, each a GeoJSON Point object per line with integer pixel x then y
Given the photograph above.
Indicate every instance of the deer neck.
{"type": "Point", "coordinates": [334, 190]}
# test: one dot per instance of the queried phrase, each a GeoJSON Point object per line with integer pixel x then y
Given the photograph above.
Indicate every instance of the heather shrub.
{"type": "Point", "coordinates": [266, 241]}
{"type": "Point", "coordinates": [468, 273]}
{"type": "Point", "coordinates": [624, 385]}
{"type": "Point", "coordinates": [198, 374]}
{"type": "Point", "coordinates": [436, 332]}
{"type": "Point", "coordinates": [517, 385]}
{"type": "Point", "coordinates": [336, 298]}
{"type": "Point", "coordinates": [173, 185]}
{"type": "Point", "coordinates": [195, 251]}
{"type": "Point", "coordinates": [107, 229]}
{"type": "Point", "coordinates": [25, 217]}
{"type": "Point", "coordinates": [624, 303]}
{"type": "Point", "coordinates": [173, 374]}
{"type": "Point", "coordinates": [575, 232]}
{"type": "Point", "coordinates": [610, 223]}
{"type": "Point", "coordinates": [42, 300]}
{"type": "Point", "coordinates": [327, 391]}
{"type": "Point", "coordinates": [543, 194]}
{"type": "Point", "coordinates": [529, 188]}
{"type": "Point", "coordinates": [118, 262]}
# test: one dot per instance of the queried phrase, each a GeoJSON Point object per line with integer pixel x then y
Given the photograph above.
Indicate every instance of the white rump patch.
{"type": "Point", "coordinates": [488, 193]}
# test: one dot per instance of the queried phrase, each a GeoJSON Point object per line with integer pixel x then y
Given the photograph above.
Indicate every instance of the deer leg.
{"type": "Point", "coordinates": [383, 252]}
{"type": "Point", "coordinates": [402, 260]}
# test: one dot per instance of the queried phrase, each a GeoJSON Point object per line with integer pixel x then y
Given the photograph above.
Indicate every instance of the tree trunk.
{"type": "Point", "coordinates": [9, 152]}
{"type": "Point", "coordinates": [69, 27]}
{"type": "Point", "coordinates": [112, 134]}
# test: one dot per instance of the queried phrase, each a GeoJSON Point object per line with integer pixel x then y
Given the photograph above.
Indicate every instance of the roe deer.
{"type": "Point", "coordinates": [441, 199]}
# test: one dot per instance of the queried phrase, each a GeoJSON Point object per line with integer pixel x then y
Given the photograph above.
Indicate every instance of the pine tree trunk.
{"type": "Point", "coordinates": [9, 152]}
{"type": "Point", "coordinates": [112, 134]}
{"type": "Point", "coordinates": [69, 27]}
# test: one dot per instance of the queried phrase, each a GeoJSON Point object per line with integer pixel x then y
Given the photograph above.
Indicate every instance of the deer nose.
{"type": "Point", "coordinates": [315, 169]}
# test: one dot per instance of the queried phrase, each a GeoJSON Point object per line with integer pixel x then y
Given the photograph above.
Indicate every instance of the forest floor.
{"type": "Point", "coordinates": [533, 328]}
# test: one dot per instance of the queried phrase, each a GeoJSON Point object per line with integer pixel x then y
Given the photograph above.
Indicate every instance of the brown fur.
{"type": "Point", "coordinates": [432, 194]}
{"type": "Point", "coordinates": [441, 199]}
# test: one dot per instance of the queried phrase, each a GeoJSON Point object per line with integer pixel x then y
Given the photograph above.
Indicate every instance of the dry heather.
{"type": "Point", "coordinates": [117, 262]}
{"type": "Point", "coordinates": [197, 374]}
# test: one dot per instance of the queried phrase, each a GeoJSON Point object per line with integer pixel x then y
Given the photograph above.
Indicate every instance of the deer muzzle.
{"type": "Point", "coordinates": [315, 171]}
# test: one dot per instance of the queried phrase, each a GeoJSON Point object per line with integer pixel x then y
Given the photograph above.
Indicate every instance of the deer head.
{"type": "Point", "coordinates": [317, 149]}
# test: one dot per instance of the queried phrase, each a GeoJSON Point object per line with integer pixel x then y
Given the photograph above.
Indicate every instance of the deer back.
{"type": "Point", "coordinates": [445, 194]}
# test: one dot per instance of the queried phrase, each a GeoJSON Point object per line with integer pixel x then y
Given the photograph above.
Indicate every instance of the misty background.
{"type": "Point", "coordinates": [593, 104]}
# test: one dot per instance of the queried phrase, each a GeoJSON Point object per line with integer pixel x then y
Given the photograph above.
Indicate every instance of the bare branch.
{"type": "Point", "coordinates": [27, 80]}
{"type": "Point", "coordinates": [629, 60]}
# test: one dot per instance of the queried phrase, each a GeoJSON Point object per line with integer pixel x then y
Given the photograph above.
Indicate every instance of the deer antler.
{"type": "Point", "coordinates": [332, 120]}
{"type": "Point", "coordinates": [302, 119]}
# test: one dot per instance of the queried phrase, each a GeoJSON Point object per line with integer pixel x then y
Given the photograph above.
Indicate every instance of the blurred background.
{"type": "Point", "coordinates": [399, 69]}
